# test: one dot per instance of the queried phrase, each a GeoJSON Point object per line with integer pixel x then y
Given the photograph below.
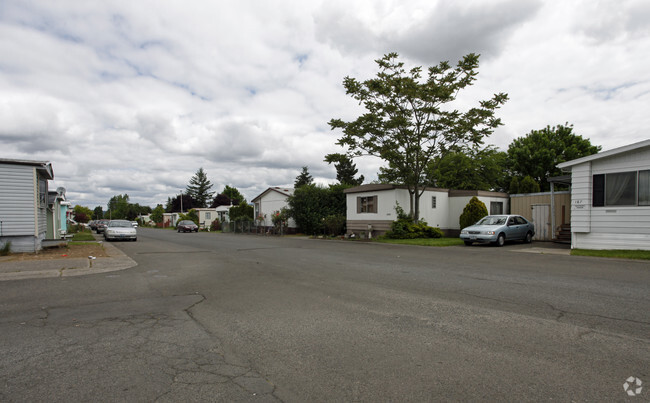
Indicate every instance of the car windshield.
{"type": "Point", "coordinates": [186, 222]}
{"type": "Point", "coordinates": [492, 220]}
{"type": "Point", "coordinates": [120, 224]}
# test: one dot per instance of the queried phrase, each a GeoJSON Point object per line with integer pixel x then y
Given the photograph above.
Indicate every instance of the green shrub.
{"type": "Point", "coordinates": [6, 249]}
{"type": "Point", "coordinates": [215, 226]}
{"type": "Point", "coordinates": [405, 228]}
{"type": "Point", "coordinates": [473, 211]}
{"type": "Point", "coordinates": [334, 224]}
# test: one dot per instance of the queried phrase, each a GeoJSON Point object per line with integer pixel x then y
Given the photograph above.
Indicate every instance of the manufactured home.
{"type": "Point", "coordinates": [24, 203]}
{"type": "Point", "coordinates": [371, 208]}
{"type": "Point", "coordinates": [610, 198]}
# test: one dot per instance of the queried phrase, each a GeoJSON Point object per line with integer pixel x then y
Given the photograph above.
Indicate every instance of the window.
{"type": "Point", "coordinates": [433, 201]}
{"type": "Point", "coordinates": [208, 215]}
{"type": "Point", "coordinates": [644, 188]}
{"type": "Point", "coordinates": [367, 204]}
{"type": "Point", "coordinates": [496, 208]}
{"type": "Point", "coordinates": [42, 193]}
{"type": "Point", "coordinates": [621, 189]}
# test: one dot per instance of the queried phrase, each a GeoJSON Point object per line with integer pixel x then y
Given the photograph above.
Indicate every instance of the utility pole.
{"type": "Point", "coordinates": [181, 201]}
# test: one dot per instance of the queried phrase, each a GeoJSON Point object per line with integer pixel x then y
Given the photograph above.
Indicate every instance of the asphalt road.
{"type": "Point", "coordinates": [221, 317]}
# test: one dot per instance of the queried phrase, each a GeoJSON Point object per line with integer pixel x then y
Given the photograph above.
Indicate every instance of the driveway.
{"type": "Point", "coordinates": [233, 317]}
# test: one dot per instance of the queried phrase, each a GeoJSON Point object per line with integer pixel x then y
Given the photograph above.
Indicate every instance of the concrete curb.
{"type": "Point", "coordinates": [51, 268]}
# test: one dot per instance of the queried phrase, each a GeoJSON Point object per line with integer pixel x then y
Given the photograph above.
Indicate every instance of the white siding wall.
{"type": "Point", "coordinates": [274, 201]}
{"type": "Point", "coordinates": [17, 200]}
{"type": "Point", "coordinates": [581, 195]}
{"type": "Point", "coordinates": [438, 217]}
{"type": "Point", "coordinates": [609, 227]}
{"type": "Point", "coordinates": [385, 205]}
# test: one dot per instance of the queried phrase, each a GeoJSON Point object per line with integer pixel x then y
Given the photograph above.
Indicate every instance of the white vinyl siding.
{"type": "Point", "coordinates": [611, 226]}
{"type": "Point", "coordinates": [581, 198]}
{"type": "Point", "coordinates": [17, 200]}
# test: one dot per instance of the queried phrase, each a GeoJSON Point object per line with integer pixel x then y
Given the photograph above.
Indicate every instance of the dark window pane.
{"type": "Point", "coordinates": [599, 191]}
{"type": "Point", "coordinates": [620, 189]}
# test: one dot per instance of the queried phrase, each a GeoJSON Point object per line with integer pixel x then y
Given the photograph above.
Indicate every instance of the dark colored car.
{"type": "Point", "coordinates": [93, 225]}
{"type": "Point", "coordinates": [101, 226]}
{"type": "Point", "coordinates": [187, 226]}
{"type": "Point", "coordinates": [498, 229]}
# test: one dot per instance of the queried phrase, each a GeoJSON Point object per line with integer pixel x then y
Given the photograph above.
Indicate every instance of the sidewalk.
{"type": "Point", "coordinates": [26, 269]}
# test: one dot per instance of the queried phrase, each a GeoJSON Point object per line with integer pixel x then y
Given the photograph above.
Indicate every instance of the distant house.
{"type": "Point", "coordinates": [206, 216]}
{"type": "Point", "coordinates": [24, 203]}
{"type": "Point", "coordinates": [371, 208]}
{"type": "Point", "coordinates": [223, 213]}
{"type": "Point", "coordinates": [269, 201]}
{"type": "Point", "coordinates": [610, 198]}
{"type": "Point", "coordinates": [57, 214]}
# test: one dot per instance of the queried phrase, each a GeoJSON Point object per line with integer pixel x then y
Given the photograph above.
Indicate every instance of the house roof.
{"type": "Point", "coordinates": [605, 154]}
{"type": "Point", "coordinates": [374, 187]}
{"type": "Point", "coordinates": [282, 190]}
{"type": "Point", "coordinates": [44, 167]}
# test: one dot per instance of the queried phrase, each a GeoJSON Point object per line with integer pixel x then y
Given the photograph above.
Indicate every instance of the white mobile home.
{"type": "Point", "coordinates": [610, 198]}
{"type": "Point", "coordinates": [23, 203]}
{"type": "Point", "coordinates": [372, 207]}
{"type": "Point", "coordinates": [268, 202]}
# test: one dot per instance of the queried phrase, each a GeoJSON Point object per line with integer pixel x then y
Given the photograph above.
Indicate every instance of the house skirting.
{"type": "Point", "coordinates": [22, 244]}
{"type": "Point", "coordinates": [379, 227]}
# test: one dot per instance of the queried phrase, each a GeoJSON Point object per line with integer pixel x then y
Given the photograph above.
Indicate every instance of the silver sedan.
{"type": "Point", "coordinates": [120, 229]}
{"type": "Point", "coordinates": [498, 229]}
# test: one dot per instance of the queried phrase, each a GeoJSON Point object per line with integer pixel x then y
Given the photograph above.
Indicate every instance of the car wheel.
{"type": "Point", "coordinates": [468, 243]}
{"type": "Point", "coordinates": [529, 238]}
{"type": "Point", "coordinates": [501, 240]}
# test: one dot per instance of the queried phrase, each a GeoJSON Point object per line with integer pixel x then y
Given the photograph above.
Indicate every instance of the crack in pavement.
{"type": "Point", "coordinates": [153, 350]}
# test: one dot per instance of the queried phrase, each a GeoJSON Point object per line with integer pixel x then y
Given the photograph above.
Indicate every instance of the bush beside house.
{"type": "Point", "coordinates": [473, 211]}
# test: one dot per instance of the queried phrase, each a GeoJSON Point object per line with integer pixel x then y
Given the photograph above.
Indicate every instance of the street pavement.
{"type": "Point", "coordinates": [227, 317]}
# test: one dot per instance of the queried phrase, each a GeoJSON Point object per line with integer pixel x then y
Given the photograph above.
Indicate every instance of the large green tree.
{"type": "Point", "coordinates": [157, 214]}
{"type": "Point", "coordinates": [199, 188]}
{"type": "Point", "coordinates": [98, 213]}
{"type": "Point", "coordinates": [538, 153]}
{"type": "Point", "coordinates": [470, 169]}
{"type": "Point", "coordinates": [409, 120]}
{"type": "Point", "coordinates": [82, 214]}
{"type": "Point", "coordinates": [118, 206]}
{"type": "Point", "coordinates": [229, 196]}
{"type": "Point", "coordinates": [345, 169]}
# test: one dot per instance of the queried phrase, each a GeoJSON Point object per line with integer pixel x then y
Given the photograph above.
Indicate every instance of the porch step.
{"type": "Point", "coordinates": [563, 234]}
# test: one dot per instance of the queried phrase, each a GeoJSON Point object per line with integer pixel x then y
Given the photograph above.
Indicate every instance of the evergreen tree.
{"type": "Point", "coordinates": [199, 188]}
{"type": "Point", "coordinates": [345, 169]}
{"type": "Point", "coordinates": [303, 179]}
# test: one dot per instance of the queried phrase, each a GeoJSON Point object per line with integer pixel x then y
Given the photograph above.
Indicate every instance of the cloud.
{"type": "Point", "coordinates": [134, 97]}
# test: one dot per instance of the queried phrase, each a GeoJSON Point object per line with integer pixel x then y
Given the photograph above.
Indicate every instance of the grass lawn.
{"type": "Point", "coordinates": [422, 241]}
{"type": "Point", "coordinates": [85, 235]}
{"type": "Point", "coordinates": [621, 254]}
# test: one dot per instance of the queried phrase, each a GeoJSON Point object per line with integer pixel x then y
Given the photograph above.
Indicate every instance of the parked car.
{"type": "Point", "coordinates": [187, 226]}
{"type": "Point", "coordinates": [101, 226]}
{"type": "Point", "coordinates": [92, 224]}
{"type": "Point", "coordinates": [120, 229]}
{"type": "Point", "coordinates": [498, 229]}
{"type": "Point", "coordinates": [134, 224]}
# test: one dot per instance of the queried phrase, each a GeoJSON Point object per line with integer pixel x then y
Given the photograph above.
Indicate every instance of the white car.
{"type": "Point", "coordinates": [120, 229]}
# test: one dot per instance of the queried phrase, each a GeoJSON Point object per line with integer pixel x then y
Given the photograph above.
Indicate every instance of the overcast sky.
{"type": "Point", "coordinates": [135, 96]}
